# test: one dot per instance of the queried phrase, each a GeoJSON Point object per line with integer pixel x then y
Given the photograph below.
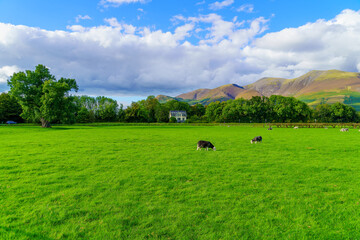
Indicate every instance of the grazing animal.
{"type": "Point", "coordinates": [205, 144]}
{"type": "Point", "coordinates": [296, 127]}
{"type": "Point", "coordinates": [256, 139]}
{"type": "Point", "coordinates": [270, 128]}
{"type": "Point", "coordinates": [344, 130]}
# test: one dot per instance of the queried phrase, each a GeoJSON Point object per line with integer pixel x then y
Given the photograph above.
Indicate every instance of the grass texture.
{"type": "Point", "coordinates": [149, 182]}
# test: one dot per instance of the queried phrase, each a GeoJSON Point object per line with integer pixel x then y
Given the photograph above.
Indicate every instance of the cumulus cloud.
{"type": "Point", "coordinates": [118, 58]}
{"type": "Point", "coordinates": [248, 8]}
{"type": "Point", "coordinates": [116, 3]}
{"type": "Point", "coordinates": [333, 44]}
{"type": "Point", "coordinates": [6, 72]}
{"type": "Point", "coordinates": [80, 17]}
{"type": "Point", "coordinates": [220, 5]}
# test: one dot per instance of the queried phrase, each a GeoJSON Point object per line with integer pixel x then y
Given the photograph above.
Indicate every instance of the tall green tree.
{"type": "Point", "coordinates": [343, 113]}
{"type": "Point", "coordinates": [197, 110]}
{"type": "Point", "coordinates": [107, 109]}
{"type": "Point", "coordinates": [151, 104]}
{"type": "Point", "coordinates": [322, 113]}
{"type": "Point", "coordinates": [174, 105]}
{"type": "Point", "coordinates": [136, 112]}
{"type": "Point", "coordinates": [42, 97]}
{"type": "Point", "coordinates": [214, 111]}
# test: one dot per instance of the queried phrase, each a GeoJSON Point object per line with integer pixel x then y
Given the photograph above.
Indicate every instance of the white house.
{"type": "Point", "coordinates": [179, 115]}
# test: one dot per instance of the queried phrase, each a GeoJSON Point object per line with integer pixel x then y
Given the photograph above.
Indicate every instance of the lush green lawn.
{"type": "Point", "coordinates": [149, 182]}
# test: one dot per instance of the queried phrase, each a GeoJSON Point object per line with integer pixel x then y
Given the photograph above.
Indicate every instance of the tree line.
{"type": "Point", "coordinates": [37, 96]}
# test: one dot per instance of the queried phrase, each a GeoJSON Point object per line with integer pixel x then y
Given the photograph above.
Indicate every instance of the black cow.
{"type": "Point", "coordinates": [270, 128]}
{"type": "Point", "coordinates": [205, 144]}
{"type": "Point", "coordinates": [256, 139]}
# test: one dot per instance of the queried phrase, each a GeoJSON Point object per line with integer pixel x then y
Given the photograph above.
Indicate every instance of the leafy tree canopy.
{"type": "Point", "coordinates": [10, 109]}
{"type": "Point", "coordinates": [42, 97]}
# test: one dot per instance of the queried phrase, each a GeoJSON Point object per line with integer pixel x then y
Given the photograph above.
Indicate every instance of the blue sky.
{"type": "Point", "coordinates": [58, 14]}
{"type": "Point", "coordinates": [129, 49]}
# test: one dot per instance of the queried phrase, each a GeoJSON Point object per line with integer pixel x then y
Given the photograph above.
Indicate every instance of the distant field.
{"type": "Point", "coordinates": [149, 182]}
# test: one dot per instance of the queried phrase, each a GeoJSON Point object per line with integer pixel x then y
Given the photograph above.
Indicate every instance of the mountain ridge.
{"type": "Point", "coordinates": [314, 87]}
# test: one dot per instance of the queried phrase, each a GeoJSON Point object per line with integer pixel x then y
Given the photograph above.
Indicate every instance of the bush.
{"type": "Point", "coordinates": [172, 120]}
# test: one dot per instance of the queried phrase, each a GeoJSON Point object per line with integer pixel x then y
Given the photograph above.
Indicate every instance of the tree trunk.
{"type": "Point", "coordinates": [44, 123]}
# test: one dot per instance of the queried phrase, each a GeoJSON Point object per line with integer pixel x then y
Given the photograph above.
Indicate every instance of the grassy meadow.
{"type": "Point", "coordinates": [149, 182]}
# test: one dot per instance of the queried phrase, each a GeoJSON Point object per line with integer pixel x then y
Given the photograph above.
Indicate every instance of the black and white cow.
{"type": "Point", "coordinates": [256, 139]}
{"type": "Point", "coordinates": [270, 128]}
{"type": "Point", "coordinates": [205, 144]}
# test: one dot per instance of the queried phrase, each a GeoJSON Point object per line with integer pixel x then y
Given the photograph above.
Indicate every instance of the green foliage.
{"type": "Point", "coordinates": [337, 112]}
{"type": "Point", "coordinates": [162, 113]}
{"type": "Point", "coordinates": [197, 119]}
{"type": "Point", "coordinates": [136, 113]}
{"type": "Point", "coordinates": [214, 111]}
{"type": "Point", "coordinates": [172, 120]}
{"type": "Point", "coordinates": [107, 109]}
{"type": "Point", "coordinates": [42, 97]}
{"type": "Point", "coordinates": [10, 109]}
{"type": "Point", "coordinates": [197, 110]}
{"type": "Point", "coordinates": [289, 109]}
{"type": "Point", "coordinates": [85, 116]}
{"type": "Point", "coordinates": [150, 110]}
{"type": "Point", "coordinates": [174, 105]}
{"type": "Point", "coordinates": [144, 182]}
{"type": "Point", "coordinates": [259, 109]}
{"type": "Point", "coordinates": [55, 104]}
{"type": "Point", "coordinates": [98, 109]}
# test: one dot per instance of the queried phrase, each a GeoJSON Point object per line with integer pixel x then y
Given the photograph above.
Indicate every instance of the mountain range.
{"type": "Point", "coordinates": [314, 87]}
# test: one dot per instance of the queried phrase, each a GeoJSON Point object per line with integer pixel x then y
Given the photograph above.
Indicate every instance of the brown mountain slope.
{"type": "Point", "coordinates": [314, 87]}
{"type": "Point", "coordinates": [229, 91]}
{"type": "Point", "coordinates": [313, 81]}
{"type": "Point", "coordinates": [195, 95]}
{"type": "Point", "coordinates": [163, 98]}
{"type": "Point", "coordinates": [248, 94]}
{"type": "Point", "coordinates": [267, 86]}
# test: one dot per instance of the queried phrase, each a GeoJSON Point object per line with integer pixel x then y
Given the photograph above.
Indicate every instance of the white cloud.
{"type": "Point", "coordinates": [7, 71]}
{"type": "Point", "coordinates": [220, 30]}
{"type": "Point", "coordinates": [118, 58]}
{"type": "Point", "coordinates": [333, 44]}
{"type": "Point", "coordinates": [248, 8]}
{"type": "Point", "coordinates": [116, 3]}
{"type": "Point", "coordinates": [141, 13]}
{"type": "Point", "coordinates": [220, 5]}
{"type": "Point", "coordinates": [80, 17]}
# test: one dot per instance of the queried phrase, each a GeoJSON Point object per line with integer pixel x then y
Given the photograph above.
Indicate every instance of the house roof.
{"type": "Point", "coordinates": [178, 111]}
{"type": "Point", "coordinates": [183, 113]}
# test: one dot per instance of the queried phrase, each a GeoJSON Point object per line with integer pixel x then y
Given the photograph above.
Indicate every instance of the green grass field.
{"type": "Point", "coordinates": [149, 182]}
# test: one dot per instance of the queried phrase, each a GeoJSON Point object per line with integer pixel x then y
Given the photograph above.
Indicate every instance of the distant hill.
{"type": "Point", "coordinates": [314, 88]}
{"type": "Point", "coordinates": [229, 91]}
{"type": "Point", "coordinates": [195, 95]}
{"type": "Point", "coordinates": [163, 98]}
{"type": "Point", "coordinates": [313, 81]}
{"type": "Point", "coordinates": [206, 96]}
